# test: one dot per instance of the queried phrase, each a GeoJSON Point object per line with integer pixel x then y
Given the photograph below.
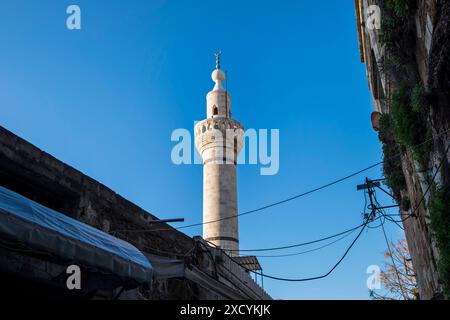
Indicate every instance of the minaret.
{"type": "Point", "coordinates": [219, 139]}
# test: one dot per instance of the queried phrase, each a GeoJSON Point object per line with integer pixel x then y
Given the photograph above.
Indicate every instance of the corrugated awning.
{"type": "Point", "coordinates": [248, 262]}
{"type": "Point", "coordinates": [44, 229]}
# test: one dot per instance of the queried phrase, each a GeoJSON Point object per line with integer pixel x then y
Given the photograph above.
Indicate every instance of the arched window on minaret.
{"type": "Point", "coordinates": [215, 111]}
{"type": "Point", "coordinates": [235, 142]}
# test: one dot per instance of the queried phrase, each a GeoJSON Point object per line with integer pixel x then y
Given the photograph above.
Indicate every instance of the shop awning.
{"type": "Point", "coordinates": [43, 229]}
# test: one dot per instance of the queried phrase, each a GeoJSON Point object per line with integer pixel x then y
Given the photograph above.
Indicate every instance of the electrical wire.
{"type": "Point", "coordinates": [282, 201]}
{"type": "Point", "coordinates": [413, 213]}
{"type": "Point", "coordinates": [383, 213]}
{"type": "Point", "coordinates": [306, 251]}
{"type": "Point", "coordinates": [300, 244]}
{"type": "Point", "coordinates": [263, 207]}
{"type": "Point", "coordinates": [363, 227]}
{"type": "Point", "coordinates": [392, 220]}
{"type": "Point", "coordinates": [382, 220]}
{"type": "Point", "coordinates": [387, 217]}
{"type": "Point", "coordinates": [318, 277]}
{"type": "Point", "coordinates": [231, 273]}
{"type": "Point", "coordinates": [393, 262]}
{"type": "Point", "coordinates": [186, 254]}
{"type": "Point", "coordinates": [432, 179]}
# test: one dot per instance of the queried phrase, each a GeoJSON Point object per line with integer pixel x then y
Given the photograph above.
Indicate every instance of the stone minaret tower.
{"type": "Point", "coordinates": [219, 139]}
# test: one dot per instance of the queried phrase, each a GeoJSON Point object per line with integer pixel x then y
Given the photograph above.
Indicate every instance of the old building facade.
{"type": "Point", "coordinates": [185, 267]}
{"type": "Point", "coordinates": [408, 68]}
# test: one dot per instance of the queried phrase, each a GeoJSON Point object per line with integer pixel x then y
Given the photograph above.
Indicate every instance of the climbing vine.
{"type": "Point", "coordinates": [440, 223]}
{"type": "Point", "coordinates": [410, 125]}
{"type": "Point", "coordinates": [392, 168]}
{"type": "Point", "coordinates": [396, 34]}
{"type": "Point", "coordinates": [406, 126]}
{"type": "Point", "coordinates": [408, 100]}
{"type": "Point", "coordinates": [401, 8]}
{"type": "Point", "coordinates": [419, 99]}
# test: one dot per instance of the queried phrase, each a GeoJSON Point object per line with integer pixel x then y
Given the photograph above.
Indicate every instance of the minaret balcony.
{"type": "Point", "coordinates": [217, 138]}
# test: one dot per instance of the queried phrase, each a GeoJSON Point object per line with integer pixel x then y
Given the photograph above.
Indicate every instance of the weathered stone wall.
{"type": "Point", "coordinates": [37, 175]}
{"type": "Point", "coordinates": [432, 54]}
{"type": "Point", "coordinates": [419, 237]}
{"type": "Point", "coordinates": [432, 63]}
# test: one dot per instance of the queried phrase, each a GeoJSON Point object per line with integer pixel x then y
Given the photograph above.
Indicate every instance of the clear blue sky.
{"type": "Point", "coordinates": [105, 99]}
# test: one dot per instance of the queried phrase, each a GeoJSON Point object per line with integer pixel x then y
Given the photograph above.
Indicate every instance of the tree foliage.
{"type": "Point", "coordinates": [398, 278]}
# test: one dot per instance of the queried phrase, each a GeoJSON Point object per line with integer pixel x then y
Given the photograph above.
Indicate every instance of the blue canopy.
{"type": "Point", "coordinates": [42, 228]}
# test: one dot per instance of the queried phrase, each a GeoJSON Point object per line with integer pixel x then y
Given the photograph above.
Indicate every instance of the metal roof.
{"type": "Point", "coordinates": [248, 262]}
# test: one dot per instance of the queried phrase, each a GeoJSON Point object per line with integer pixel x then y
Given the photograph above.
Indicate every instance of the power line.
{"type": "Point", "coordinates": [282, 201]}
{"type": "Point", "coordinates": [263, 207]}
{"type": "Point", "coordinates": [383, 213]}
{"type": "Point", "coordinates": [432, 179]}
{"type": "Point", "coordinates": [306, 251]}
{"type": "Point", "coordinates": [231, 273]}
{"type": "Point", "coordinates": [186, 254]}
{"type": "Point", "coordinates": [382, 221]}
{"type": "Point", "coordinates": [413, 213]}
{"type": "Point", "coordinates": [363, 226]}
{"type": "Point", "coordinates": [307, 192]}
{"type": "Point", "coordinates": [301, 244]}
{"type": "Point", "coordinates": [386, 217]}
{"type": "Point", "coordinates": [318, 277]}
{"type": "Point", "coordinates": [393, 262]}
{"type": "Point", "coordinates": [380, 209]}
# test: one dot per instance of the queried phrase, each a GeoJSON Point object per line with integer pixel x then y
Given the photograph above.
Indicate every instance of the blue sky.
{"type": "Point", "coordinates": [105, 99]}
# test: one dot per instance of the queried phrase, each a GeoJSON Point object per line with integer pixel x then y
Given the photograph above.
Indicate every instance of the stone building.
{"type": "Point", "coordinates": [408, 70]}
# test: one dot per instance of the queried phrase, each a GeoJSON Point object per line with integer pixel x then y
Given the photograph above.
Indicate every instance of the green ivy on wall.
{"type": "Point", "coordinates": [392, 168]}
{"type": "Point", "coordinates": [440, 223]}
{"type": "Point", "coordinates": [410, 126]}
